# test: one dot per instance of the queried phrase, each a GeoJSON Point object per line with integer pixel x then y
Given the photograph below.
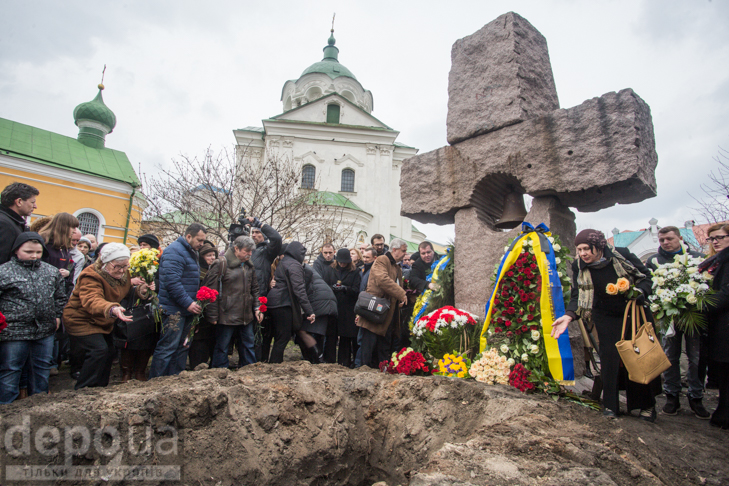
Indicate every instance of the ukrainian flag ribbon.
{"type": "Point", "coordinates": [422, 304]}
{"type": "Point", "coordinates": [551, 302]}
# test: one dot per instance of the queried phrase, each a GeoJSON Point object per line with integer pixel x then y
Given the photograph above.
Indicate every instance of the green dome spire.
{"type": "Point", "coordinates": [94, 120]}
{"type": "Point", "coordinates": [330, 65]}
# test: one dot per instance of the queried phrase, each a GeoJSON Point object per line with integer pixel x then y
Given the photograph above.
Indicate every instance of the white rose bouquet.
{"type": "Point", "coordinates": [679, 294]}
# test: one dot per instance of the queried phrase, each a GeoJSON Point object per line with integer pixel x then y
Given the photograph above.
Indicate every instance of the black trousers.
{"type": "Point", "coordinates": [98, 352]}
{"type": "Point", "coordinates": [283, 328]}
{"type": "Point", "coordinates": [720, 417]}
{"type": "Point", "coordinates": [265, 330]}
{"type": "Point", "coordinates": [330, 341]}
{"type": "Point", "coordinates": [347, 351]}
{"type": "Point", "coordinates": [376, 348]}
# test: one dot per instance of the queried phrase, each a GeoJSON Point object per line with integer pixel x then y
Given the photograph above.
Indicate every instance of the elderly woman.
{"type": "Point", "coordinates": [93, 309]}
{"type": "Point", "coordinates": [597, 266]}
{"type": "Point", "coordinates": [718, 309]}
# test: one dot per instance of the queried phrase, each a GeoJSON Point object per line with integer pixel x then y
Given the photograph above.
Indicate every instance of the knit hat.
{"type": "Point", "coordinates": [207, 248]}
{"type": "Point", "coordinates": [591, 237]}
{"type": "Point", "coordinates": [343, 256]}
{"type": "Point", "coordinates": [150, 239]}
{"type": "Point", "coordinates": [114, 251]}
{"type": "Point", "coordinates": [85, 240]}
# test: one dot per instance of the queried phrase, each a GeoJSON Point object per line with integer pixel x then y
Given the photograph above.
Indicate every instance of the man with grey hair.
{"type": "Point", "coordinates": [236, 309]}
{"type": "Point", "coordinates": [385, 281]}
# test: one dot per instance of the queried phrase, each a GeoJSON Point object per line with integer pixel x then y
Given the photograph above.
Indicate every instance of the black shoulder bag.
{"type": "Point", "coordinates": [142, 324]}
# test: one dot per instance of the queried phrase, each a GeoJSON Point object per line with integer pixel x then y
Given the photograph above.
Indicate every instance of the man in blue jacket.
{"type": "Point", "coordinates": [179, 281]}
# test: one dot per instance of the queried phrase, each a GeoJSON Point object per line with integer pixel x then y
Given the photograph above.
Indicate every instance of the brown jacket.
{"type": "Point", "coordinates": [238, 299]}
{"type": "Point", "coordinates": [385, 281]}
{"type": "Point", "coordinates": [96, 292]}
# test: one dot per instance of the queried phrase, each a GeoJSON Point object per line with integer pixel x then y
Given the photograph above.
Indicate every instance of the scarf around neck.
{"type": "Point", "coordinates": [586, 295]}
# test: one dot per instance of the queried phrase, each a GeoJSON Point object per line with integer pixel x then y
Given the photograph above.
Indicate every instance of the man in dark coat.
{"type": "Point", "coordinates": [237, 305]}
{"type": "Point", "coordinates": [268, 247]}
{"type": "Point", "coordinates": [323, 264]}
{"type": "Point", "coordinates": [421, 268]}
{"type": "Point", "coordinates": [179, 281]}
{"type": "Point", "coordinates": [670, 241]}
{"type": "Point", "coordinates": [17, 202]}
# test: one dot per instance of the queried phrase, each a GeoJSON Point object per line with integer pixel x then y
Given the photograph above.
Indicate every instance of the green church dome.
{"type": "Point", "coordinates": [330, 64]}
{"type": "Point", "coordinates": [95, 110]}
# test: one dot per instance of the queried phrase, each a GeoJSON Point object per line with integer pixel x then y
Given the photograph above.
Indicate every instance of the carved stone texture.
{"type": "Point", "coordinates": [499, 76]}
{"type": "Point", "coordinates": [591, 157]}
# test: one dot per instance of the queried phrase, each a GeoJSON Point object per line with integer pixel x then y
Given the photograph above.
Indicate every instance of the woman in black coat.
{"type": "Point", "coordinates": [324, 303]}
{"type": "Point", "coordinates": [718, 309]}
{"type": "Point", "coordinates": [286, 301]}
{"type": "Point", "coordinates": [597, 266]}
{"type": "Point", "coordinates": [346, 290]}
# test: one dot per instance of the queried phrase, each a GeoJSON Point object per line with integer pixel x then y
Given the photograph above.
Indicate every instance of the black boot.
{"type": "Point", "coordinates": [313, 355]}
{"type": "Point", "coordinates": [698, 408]}
{"type": "Point", "coordinates": [672, 405]}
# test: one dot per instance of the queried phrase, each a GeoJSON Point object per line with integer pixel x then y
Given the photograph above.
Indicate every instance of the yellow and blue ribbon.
{"type": "Point", "coordinates": [435, 268]}
{"type": "Point", "coordinates": [551, 303]}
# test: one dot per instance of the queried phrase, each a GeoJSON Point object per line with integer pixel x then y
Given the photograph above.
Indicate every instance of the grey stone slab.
{"type": "Point", "coordinates": [499, 76]}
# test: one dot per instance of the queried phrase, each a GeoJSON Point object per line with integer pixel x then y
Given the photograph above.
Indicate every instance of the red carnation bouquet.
{"type": "Point", "coordinates": [519, 378]}
{"type": "Point", "coordinates": [3, 322]}
{"type": "Point", "coordinates": [263, 301]}
{"type": "Point", "coordinates": [204, 296]}
{"type": "Point", "coordinates": [406, 362]}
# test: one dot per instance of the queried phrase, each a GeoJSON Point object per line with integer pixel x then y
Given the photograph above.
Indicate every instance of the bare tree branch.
{"type": "Point", "coordinates": [714, 205]}
{"type": "Point", "coordinates": [213, 188]}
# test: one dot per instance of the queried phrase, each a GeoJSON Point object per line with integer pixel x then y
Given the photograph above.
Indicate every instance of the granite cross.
{"type": "Point", "coordinates": [505, 130]}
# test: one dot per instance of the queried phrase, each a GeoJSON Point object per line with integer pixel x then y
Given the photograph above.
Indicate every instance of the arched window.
{"type": "Point", "coordinates": [89, 224]}
{"type": "Point", "coordinates": [333, 113]}
{"type": "Point", "coordinates": [308, 177]}
{"type": "Point", "coordinates": [347, 180]}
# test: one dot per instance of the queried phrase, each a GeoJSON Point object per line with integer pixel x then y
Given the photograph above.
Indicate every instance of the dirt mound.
{"type": "Point", "coordinates": [298, 424]}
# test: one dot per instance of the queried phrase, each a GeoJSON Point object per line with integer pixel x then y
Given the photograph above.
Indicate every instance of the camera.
{"type": "Point", "coordinates": [241, 228]}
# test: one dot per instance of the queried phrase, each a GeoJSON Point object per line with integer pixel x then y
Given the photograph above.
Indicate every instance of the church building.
{"type": "Point", "coordinates": [79, 175]}
{"type": "Point", "coordinates": [345, 153]}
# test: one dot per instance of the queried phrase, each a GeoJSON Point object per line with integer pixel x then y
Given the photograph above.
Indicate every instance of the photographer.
{"type": "Point", "coordinates": [268, 246]}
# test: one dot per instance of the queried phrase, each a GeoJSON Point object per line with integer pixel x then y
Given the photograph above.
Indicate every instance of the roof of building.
{"type": "Point", "coordinates": [330, 64]}
{"type": "Point", "coordinates": [625, 238]}
{"type": "Point", "coordinates": [55, 150]}
{"type": "Point", "coordinates": [333, 199]}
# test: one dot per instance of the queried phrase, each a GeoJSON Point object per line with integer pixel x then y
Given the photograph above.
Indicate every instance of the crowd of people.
{"type": "Point", "coordinates": [66, 298]}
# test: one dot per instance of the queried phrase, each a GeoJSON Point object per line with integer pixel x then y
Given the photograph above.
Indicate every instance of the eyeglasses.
{"type": "Point", "coordinates": [118, 267]}
{"type": "Point", "coordinates": [712, 239]}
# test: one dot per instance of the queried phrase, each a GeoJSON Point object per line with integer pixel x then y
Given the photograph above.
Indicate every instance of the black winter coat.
{"type": "Point", "coordinates": [264, 255]}
{"type": "Point", "coordinates": [719, 311]}
{"type": "Point", "coordinates": [11, 225]}
{"type": "Point", "coordinates": [346, 299]}
{"type": "Point", "coordinates": [290, 268]}
{"type": "Point", "coordinates": [325, 270]}
{"type": "Point", "coordinates": [662, 257]}
{"type": "Point", "coordinates": [32, 296]}
{"type": "Point", "coordinates": [418, 273]}
{"type": "Point", "coordinates": [322, 300]}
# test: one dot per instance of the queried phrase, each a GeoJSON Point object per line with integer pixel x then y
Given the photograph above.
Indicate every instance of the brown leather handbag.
{"type": "Point", "coordinates": [642, 355]}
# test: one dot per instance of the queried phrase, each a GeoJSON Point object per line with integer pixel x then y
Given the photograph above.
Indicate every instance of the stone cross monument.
{"type": "Point", "coordinates": [507, 132]}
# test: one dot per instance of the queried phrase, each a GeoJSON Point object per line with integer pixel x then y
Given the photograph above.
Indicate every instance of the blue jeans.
{"type": "Point", "coordinates": [358, 356]}
{"type": "Point", "coordinates": [224, 334]}
{"type": "Point", "coordinates": [13, 355]}
{"type": "Point", "coordinates": [672, 376]}
{"type": "Point", "coordinates": [170, 356]}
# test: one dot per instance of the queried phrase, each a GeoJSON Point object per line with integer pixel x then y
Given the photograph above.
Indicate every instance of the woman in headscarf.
{"type": "Point", "coordinates": [718, 310]}
{"type": "Point", "coordinates": [599, 264]}
{"type": "Point", "coordinates": [95, 306]}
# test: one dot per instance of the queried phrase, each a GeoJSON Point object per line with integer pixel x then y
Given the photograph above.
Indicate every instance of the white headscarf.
{"type": "Point", "coordinates": [114, 251]}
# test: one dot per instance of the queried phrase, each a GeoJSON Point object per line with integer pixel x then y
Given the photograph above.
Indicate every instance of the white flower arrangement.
{"type": "Point", "coordinates": [679, 292]}
{"type": "Point", "coordinates": [491, 368]}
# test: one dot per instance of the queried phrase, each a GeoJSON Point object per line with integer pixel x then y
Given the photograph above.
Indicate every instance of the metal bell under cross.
{"type": "Point", "coordinates": [514, 211]}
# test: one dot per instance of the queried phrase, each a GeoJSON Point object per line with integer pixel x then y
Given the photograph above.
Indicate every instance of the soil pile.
{"type": "Point", "coordinates": [298, 424]}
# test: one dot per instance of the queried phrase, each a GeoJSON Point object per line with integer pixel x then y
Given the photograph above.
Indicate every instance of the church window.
{"type": "Point", "coordinates": [347, 180]}
{"type": "Point", "coordinates": [333, 113]}
{"type": "Point", "coordinates": [308, 177]}
{"type": "Point", "coordinates": [89, 224]}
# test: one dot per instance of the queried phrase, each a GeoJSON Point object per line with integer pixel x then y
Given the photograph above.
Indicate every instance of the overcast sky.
{"type": "Point", "coordinates": [181, 75]}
